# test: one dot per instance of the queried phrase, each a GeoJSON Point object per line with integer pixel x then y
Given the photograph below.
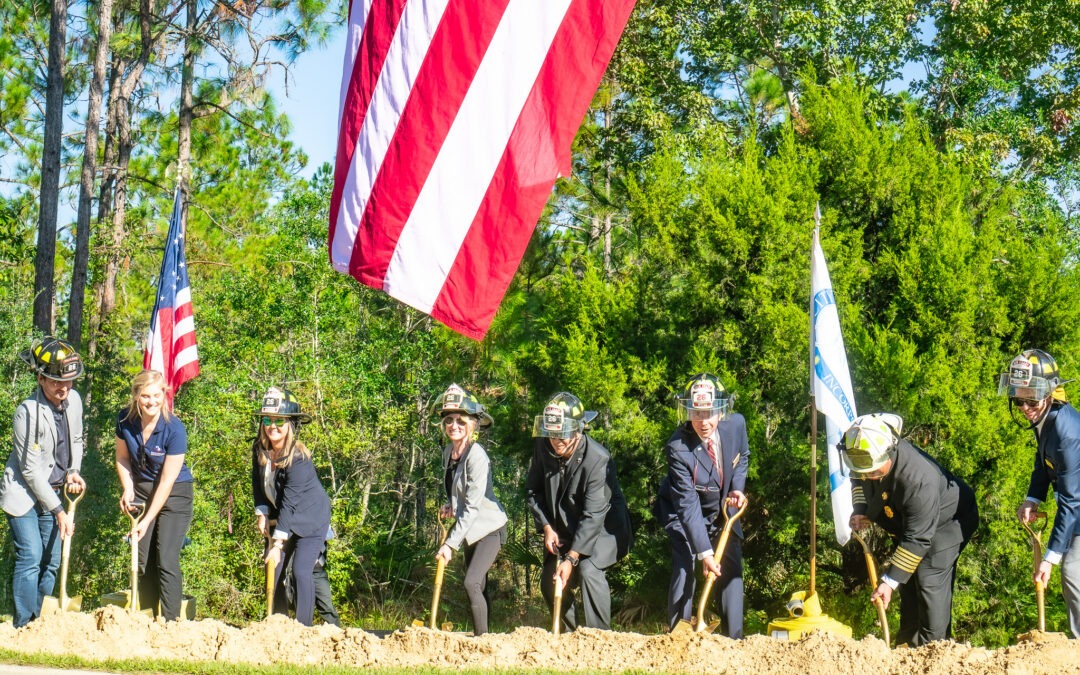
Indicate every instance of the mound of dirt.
{"type": "Point", "coordinates": [111, 632]}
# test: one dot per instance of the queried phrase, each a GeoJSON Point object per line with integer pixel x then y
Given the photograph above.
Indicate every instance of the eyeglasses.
{"type": "Point", "coordinates": [1025, 403]}
{"type": "Point", "coordinates": [453, 420]}
{"type": "Point", "coordinates": [276, 421]}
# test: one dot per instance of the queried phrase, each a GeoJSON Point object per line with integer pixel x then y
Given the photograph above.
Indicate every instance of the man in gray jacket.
{"type": "Point", "coordinates": [45, 459]}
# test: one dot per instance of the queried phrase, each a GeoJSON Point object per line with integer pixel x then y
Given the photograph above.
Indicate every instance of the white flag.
{"type": "Point", "coordinates": [831, 384]}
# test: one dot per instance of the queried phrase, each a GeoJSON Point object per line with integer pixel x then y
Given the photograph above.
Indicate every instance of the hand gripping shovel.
{"type": "Point", "coordinates": [871, 570]}
{"type": "Point", "coordinates": [699, 625]}
{"type": "Point", "coordinates": [1036, 549]}
{"type": "Point", "coordinates": [65, 604]}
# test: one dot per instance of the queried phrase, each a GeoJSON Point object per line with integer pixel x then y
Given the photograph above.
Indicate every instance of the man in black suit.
{"type": "Point", "coordinates": [574, 496]}
{"type": "Point", "coordinates": [707, 458]}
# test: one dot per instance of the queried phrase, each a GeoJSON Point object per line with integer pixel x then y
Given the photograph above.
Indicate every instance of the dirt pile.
{"type": "Point", "coordinates": [111, 632]}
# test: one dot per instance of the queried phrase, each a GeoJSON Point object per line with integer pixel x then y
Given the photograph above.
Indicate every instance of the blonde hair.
{"type": "Point", "coordinates": [292, 447]}
{"type": "Point", "coordinates": [143, 380]}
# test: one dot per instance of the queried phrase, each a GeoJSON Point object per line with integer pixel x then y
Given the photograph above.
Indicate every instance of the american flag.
{"type": "Point", "coordinates": [170, 346]}
{"type": "Point", "coordinates": [456, 118]}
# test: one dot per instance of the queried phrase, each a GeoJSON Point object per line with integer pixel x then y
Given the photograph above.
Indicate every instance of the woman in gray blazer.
{"type": "Point", "coordinates": [480, 523]}
{"type": "Point", "coordinates": [45, 459]}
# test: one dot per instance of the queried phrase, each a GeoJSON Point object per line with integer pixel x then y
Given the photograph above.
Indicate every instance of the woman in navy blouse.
{"type": "Point", "coordinates": [291, 506]}
{"type": "Point", "coordinates": [151, 444]}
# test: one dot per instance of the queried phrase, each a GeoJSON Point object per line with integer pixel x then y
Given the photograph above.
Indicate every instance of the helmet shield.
{"type": "Point", "coordinates": [54, 358]}
{"type": "Point", "coordinates": [457, 400]}
{"type": "Point", "coordinates": [564, 417]}
{"type": "Point", "coordinates": [1033, 375]}
{"type": "Point", "coordinates": [870, 442]}
{"type": "Point", "coordinates": [703, 394]}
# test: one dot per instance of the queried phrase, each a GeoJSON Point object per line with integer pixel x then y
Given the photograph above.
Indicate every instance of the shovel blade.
{"type": "Point", "coordinates": [684, 627]}
{"type": "Point", "coordinates": [51, 605]}
{"type": "Point", "coordinates": [417, 623]}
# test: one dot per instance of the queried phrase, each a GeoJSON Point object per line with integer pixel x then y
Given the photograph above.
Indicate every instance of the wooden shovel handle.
{"type": "Point", "coordinates": [871, 571]}
{"type": "Point", "coordinates": [271, 566]}
{"type": "Point", "coordinates": [556, 612]}
{"type": "Point", "coordinates": [135, 513]}
{"type": "Point", "coordinates": [1036, 555]}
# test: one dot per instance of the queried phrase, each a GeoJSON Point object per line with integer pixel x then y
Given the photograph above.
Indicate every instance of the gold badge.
{"type": "Point", "coordinates": [888, 512]}
{"type": "Point", "coordinates": [884, 496]}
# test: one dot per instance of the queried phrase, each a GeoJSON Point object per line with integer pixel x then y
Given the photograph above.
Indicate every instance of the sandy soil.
{"type": "Point", "coordinates": [111, 632]}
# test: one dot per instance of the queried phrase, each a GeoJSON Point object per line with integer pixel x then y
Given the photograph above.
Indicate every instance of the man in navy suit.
{"type": "Point", "coordinates": [707, 458]}
{"type": "Point", "coordinates": [1034, 386]}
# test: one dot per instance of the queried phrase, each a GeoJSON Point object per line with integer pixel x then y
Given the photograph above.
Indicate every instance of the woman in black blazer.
{"type": "Point", "coordinates": [292, 508]}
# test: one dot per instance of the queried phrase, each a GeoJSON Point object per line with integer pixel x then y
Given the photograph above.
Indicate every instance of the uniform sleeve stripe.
{"type": "Point", "coordinates": [906, 560]}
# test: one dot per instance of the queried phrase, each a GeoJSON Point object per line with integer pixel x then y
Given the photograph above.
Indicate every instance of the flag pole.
{"type": "Point", "coordinates": [813, 424]}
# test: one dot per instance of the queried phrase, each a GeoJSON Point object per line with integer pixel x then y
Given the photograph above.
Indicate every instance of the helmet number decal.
{"type": "Point", "coordinates": [554, 418]}
{"type": "Point", "coordinates": [702, 394]}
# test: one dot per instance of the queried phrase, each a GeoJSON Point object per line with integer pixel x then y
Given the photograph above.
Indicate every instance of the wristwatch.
{"type": "Point", "coordinates": [574, 560]}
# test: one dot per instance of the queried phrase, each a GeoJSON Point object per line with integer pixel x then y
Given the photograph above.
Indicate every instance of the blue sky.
{"type": "Point", "coordinates": [312, 103]}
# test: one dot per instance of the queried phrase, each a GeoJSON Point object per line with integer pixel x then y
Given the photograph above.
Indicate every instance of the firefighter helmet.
{"type": "Point", "coordinates": [54, 358]}
{"type": "Point", "coordinates": [704, 392]}
{"type": "Point", "coordinates": [457, 400]}
{"type": "Point", "coordinates": [564, 417]}
{"type": "Point", "coordinates": [1033, 375]}
{"type": "Point", "coordinates": [281, 403]}
{"type": "Point", "coordinates": [870, 442]}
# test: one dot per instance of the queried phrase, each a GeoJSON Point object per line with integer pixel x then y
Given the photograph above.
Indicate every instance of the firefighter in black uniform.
{"type": "Point", "coordinates": [930, 513]}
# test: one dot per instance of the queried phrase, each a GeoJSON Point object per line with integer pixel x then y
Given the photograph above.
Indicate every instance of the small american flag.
{"type": "Point", "coordinates": [170, 346]}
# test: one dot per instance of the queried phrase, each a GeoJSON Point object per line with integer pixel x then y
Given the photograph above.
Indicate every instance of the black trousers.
{"type": "Point", "coordinates": [324, 596]}
{"type": "Point", "coordinates": [300, 556]}
{"type": "Point", "coordinates": [478, 560]}
{"type": "Point", "coordinates": [595, 593]}
{"type": "Point", "coordinates": [160, 580]}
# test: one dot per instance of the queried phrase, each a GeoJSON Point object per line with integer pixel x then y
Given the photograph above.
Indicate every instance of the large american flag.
{"type": "Point", "coordinates": [456, 118]}
{"type": "Point", "coordinates": [170, 346]}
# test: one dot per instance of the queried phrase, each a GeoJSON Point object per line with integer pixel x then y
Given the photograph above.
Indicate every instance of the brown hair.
{"type": "Point", "coordinates": [143, 380]}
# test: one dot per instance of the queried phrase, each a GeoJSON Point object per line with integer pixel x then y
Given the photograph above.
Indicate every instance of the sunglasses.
{"type": "Point", "coordinates": [276, 421]}
{"type": "Point", "coordinates": [1025, 403]}
{"type": "Point", "coordinates": [453, 420]}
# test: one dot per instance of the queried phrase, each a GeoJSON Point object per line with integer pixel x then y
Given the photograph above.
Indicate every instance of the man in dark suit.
{"type": "Point", "coordinates": [1035, 388]}
{"type": "Point", "coordinates": [930, 513]}
{"type": "Point", "coordinates": [574, 496]}
{"type": "Point", "coordinates": [707, 458]}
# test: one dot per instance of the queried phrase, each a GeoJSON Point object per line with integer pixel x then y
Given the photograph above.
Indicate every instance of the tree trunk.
{"type": "Point", "coordinates": [86, 181]}
{"type": "Point", "coordinates": [45, 257]}
{"type": "Point", "coordinates": [186, 114]}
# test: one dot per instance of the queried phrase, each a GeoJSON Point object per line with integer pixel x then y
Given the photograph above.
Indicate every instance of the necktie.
{"type": "Point", "coordinates": [710, 445]}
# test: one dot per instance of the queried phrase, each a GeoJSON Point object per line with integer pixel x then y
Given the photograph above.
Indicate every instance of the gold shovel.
{"type": "Point", "coordinates": [135, 512]}
{"type": "Point", "coordinates": [1036, 548]}
{"type": "Point", "coordinates": [556, 611]}
{"type": "Point", "coordinates": [871, 570]}
{"type": "Point", "coordinates": [440, 571]}
{"type": "Point", "coordinates": [65, 604]}
{"type": "Point", "coordinates": [699, 625]}
{"type": "Point", "coordinates": [271, 566]}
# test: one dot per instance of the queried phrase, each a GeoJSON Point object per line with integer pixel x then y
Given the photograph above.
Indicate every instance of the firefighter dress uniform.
{"type": "Point", "coordinates": [931, 515]}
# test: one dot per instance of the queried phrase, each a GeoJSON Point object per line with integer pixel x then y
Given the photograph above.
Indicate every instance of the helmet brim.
{"type": "Point", "coordinates": [299, 418]}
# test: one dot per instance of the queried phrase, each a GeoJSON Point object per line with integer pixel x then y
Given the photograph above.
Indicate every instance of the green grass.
{"type": "Point", "coordinates": [148, 666]}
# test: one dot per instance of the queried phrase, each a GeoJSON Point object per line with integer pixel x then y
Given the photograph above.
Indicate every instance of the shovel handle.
{"type": "Point", "coordinates": [440, 570]}
{"type": "Point", "coordinates": [1036, 551]}
{"type": "Point", "coordinates": [135, 513]}
{"type": "Point", "coordinates": [271, 566]}
{"type": "Point", "coordinates": [871, 571]}
{"type": "Point", "coordinates": [556, 612]}
{"type": "Point", "coordinates": [710, 578]}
